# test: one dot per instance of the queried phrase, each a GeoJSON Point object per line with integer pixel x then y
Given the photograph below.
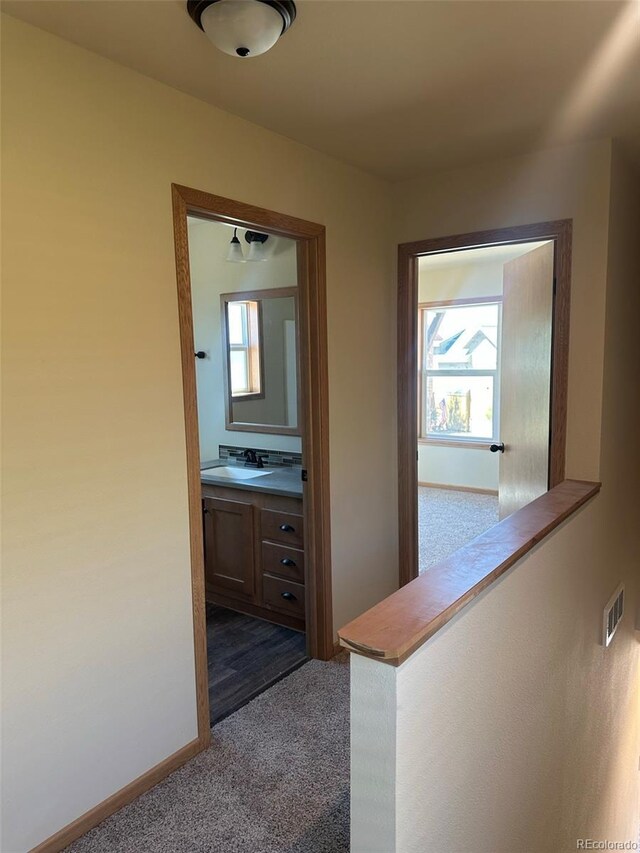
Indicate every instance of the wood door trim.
{"type": "Point", "coordinates": [310, 239]}
{"type": "Point", "coordinates": [560, 232]}
{"type": "Point", "coordinates": [257, 295]}
{"type": "Point", "coordinates": [192, 461]}
{"type": "Point", "coordinates": [314, 400]}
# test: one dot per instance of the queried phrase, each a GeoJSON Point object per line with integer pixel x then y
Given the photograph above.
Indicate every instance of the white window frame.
{"type": "Point", "coordinates": [425, 437]}
{"type": "Point", "coordinates": [252, 347]}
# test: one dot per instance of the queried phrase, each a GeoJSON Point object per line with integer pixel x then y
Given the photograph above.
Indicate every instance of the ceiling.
{"type": "Point", "coordinates": [483, 254]}
{"type": "Point", "coordinates": [395, 87]}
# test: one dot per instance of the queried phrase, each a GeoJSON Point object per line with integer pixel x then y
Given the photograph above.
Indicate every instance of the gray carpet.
{"type": "Point", "coordinates": [448, 519]}
{"type": "Point", "coordinates": [275, 780]}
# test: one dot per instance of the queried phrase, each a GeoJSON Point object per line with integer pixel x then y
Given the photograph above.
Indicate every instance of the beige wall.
{"type": "Point", "coordinates": [98, 677]}
{"type": "Point", "coordinates": [513, 728]}
{"type": "Point", "coordinates": [465, 281]}
{"type": "Point", "coordinates": [98, 669]}
{"type": "Point", "coordinates": [211, 275]}
{"type": "Point", "coordinates": [620, 454]}
{"type": "Point", "coordinates": [558, 184]}
{"type": "Point", "coordinates": [472, 468]}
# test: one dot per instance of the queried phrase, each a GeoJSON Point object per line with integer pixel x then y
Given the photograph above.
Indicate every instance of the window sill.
{"type": "Point", "coordinates": [245, 398]}
{"type": "Point", "coordinates": [395, 628]}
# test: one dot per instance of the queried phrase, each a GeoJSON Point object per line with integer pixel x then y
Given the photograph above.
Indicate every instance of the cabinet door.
{"type": "Point", "coordinates": [228, 546]}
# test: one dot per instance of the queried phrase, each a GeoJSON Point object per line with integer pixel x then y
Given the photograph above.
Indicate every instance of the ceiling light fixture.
{"type": "Point", "coordinates": [235, 249]}
{"type": "Point", "coordinates": [243, 28]}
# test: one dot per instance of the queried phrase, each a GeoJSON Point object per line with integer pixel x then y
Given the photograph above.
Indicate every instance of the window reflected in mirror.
{"type": "Point", "coordinates": [260, 358]}
{"type": "Point", "coordinates": [245, 350]}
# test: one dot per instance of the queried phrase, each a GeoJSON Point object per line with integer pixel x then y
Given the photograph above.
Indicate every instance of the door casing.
{"type": "Point", "coordinates": [408, 255]}
{"type": "Point", "coordinates": [310, 240]}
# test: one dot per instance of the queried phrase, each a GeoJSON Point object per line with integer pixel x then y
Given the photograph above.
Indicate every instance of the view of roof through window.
{"type": "Point", "coordinates": [460, 364]}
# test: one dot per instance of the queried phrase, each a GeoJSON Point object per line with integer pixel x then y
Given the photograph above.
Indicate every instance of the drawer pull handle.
{"type": "Point", "coordinates": [288, 596]}
{"type": "Point", "coordinates": [287, 528]}
{"type": "Point", "coordinates": [285, 561]}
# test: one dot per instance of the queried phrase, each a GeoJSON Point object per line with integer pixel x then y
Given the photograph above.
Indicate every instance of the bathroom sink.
{"type": "Point", "coordinates": [228, 472]}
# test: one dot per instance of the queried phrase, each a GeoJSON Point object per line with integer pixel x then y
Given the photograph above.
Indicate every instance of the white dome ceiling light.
{"type": "Point", "coordinates": [243, 28]}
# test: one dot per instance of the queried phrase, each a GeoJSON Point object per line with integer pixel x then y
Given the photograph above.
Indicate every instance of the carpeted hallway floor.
{"type": "Point", "coordinates": [276, 777]}
{"type": "Point", "coordinates": [448, 519]}
{"type": "Point", "coordinates": [275, 780]}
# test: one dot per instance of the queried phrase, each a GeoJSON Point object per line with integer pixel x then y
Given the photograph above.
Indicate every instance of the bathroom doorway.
{"type": "Point", "coordinates": [251, 298]}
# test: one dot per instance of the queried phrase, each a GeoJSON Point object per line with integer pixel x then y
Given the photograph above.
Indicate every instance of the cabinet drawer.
{"type": "Point", "coordinates": [281, 527]}
{"type": "Point", "coordinates": [285, 562]}
{"type": "Point", "coordinates": [283, 595]}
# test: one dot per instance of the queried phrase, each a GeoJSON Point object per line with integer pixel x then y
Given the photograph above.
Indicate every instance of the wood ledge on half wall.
{"type": "Point", "coordinates": [397, 626]}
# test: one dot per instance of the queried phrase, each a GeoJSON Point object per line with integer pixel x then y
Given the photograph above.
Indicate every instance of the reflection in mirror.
{"type": "Point", "coordinates": [259, 334]}
{"type": "Point", "coordinates": [245, 350]}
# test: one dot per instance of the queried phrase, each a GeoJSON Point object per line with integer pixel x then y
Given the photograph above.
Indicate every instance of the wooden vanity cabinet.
{"type": "Point", "coordinates": [254, 553]}
{"type": "Point", "coordinates": [228, 546]}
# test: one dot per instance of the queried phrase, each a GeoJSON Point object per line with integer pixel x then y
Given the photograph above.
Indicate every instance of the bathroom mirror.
{"type": "Point", "coordinates": [260, 360]}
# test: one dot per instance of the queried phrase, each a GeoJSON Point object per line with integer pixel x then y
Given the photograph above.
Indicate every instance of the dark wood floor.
{"type": "Point", "coordinates": [246, 656]}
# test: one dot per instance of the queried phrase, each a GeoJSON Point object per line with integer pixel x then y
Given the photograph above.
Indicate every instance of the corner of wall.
{"type": "Point", "coordinates": [373, 756]}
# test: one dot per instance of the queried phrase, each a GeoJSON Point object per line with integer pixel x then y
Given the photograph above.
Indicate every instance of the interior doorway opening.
{"type": "Point", "coordinates": [482, 371]}
{"type": "Point", "coordinates": [253, 345]}
{"type": "Point", "coordinates": [245, 322]}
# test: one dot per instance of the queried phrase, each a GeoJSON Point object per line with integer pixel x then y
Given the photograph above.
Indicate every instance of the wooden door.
{"type": "Point", "coordinates": [228, 547]}
{"type": "Point", "coordinates": [525, 386]}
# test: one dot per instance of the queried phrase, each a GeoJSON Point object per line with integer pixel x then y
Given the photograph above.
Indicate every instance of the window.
{"type": "Point", "coordinates": [245, 350]}
{"type": "Point", "coordinates": [459, 371]}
